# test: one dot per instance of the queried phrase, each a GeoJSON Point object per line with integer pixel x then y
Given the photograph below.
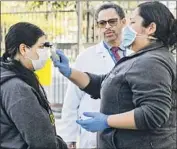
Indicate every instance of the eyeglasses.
{"type": "Point", "coordinates": [111, 22]}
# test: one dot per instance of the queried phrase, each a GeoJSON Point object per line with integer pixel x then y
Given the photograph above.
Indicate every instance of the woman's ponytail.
{"type": "Point", "coordinates": [172, 40]}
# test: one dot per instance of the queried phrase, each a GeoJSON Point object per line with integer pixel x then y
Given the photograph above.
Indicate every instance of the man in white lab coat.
{"type": "Point", "coordinates": [98, 59]}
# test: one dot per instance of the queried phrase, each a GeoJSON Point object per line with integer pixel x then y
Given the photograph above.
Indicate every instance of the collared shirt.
{"type": "Point", "coordinates": [121, 52]}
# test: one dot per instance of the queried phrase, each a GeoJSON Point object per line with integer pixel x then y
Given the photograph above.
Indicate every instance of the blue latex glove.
{"type": "Point", "coordinates": [62, 63]}
{"type": "Point", "coordinates": [98, 122]}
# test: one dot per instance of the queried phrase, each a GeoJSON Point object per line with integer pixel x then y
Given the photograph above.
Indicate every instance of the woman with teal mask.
{"type": "Point", "coordinates": [138, 96]}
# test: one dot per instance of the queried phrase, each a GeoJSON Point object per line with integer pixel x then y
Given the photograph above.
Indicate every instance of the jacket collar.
{"type": "Point", "coordinates": [152, 46]}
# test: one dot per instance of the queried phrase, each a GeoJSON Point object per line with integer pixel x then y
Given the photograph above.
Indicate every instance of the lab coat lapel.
{"type": "Point", "coordinates": [103, 54]}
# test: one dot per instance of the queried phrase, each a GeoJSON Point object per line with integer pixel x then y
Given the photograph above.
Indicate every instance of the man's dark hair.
{"type": "Point", "coordinates": [117, 8]}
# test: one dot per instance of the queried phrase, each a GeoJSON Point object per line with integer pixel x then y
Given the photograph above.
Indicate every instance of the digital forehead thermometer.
{"type": "Point", "coordinates": [52, 50]}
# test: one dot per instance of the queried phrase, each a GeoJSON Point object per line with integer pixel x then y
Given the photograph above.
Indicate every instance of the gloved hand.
{"type": "Point", "coordinates": [62, 63]}
{"type": "Point", "coordinates": [98, 122]}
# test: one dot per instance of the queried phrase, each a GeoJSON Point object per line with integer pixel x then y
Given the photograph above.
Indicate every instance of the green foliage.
{"type": "Point", "coordinates": [46, 25]}
{"type": "Point", "coordinates": [42, 15]}
{"type": "Point", "coordinates": [53, 4]}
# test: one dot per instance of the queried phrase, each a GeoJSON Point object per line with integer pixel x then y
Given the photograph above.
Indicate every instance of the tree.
{"type": "Point", "coordinates": [54, 5]}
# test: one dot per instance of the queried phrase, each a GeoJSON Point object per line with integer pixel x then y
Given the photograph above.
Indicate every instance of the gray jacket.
{"type": "Point", "coordinates": [24, 123]}
{"type": "Point", "coordinates": [145, 82]}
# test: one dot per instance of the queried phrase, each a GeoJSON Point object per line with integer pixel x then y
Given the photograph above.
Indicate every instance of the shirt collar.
{"type": "Point", "coordinates": [109, 46]}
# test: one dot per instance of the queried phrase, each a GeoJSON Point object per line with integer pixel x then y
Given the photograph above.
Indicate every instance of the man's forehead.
{"type": "Point", "coordinates": [108, 18]}
{"type": "Point", "coordinates": [107, 14]}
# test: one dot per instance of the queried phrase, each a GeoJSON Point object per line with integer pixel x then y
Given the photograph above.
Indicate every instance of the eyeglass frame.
{"type": "Point", "coordinates": [108, 21]}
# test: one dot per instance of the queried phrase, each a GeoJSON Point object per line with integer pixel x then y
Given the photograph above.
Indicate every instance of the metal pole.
{"type": "Point", "coordinates": [94, 30]}
{"type": "Point", "coordinates": [88, 21]}
{"type": "Point", "coordinates": [79, 20]}
{"type": "Point", "coordinates": [176, 9]}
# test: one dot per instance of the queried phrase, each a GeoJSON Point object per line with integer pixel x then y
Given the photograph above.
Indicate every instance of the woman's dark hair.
{"type": "Point", "coordinates": [166, 24]}
{"type": "Point", "coordinates": [117, 8]}
{"type": "Point", "coordinates": [19, 33]}
{"type": "Point", "coordinates": [27, 34]}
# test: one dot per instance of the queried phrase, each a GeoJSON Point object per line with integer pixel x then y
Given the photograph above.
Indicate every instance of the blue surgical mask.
{"type": "Point", "coordinates": [128, 37]}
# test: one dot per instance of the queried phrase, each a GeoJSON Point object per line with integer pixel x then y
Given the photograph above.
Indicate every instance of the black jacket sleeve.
{"type": "Point", "coordinates": [151, 82]}
{"type": "Point", "coordinates": [94, 86]}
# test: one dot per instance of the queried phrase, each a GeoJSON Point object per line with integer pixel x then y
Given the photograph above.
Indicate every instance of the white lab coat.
{"type": "Point", "coordinates": [97, 60]}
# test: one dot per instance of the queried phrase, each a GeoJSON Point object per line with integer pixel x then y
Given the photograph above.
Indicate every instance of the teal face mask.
{"type": "Point", "coordinates": [128, 37]}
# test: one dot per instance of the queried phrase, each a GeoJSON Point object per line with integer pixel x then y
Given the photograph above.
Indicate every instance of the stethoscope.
{"type": "Point", "coordinates": [111, 54]}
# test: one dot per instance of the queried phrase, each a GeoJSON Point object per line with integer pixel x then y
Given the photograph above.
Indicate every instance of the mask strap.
{"type": "Point", "coordinates": [152, 38]}
{"type": "Point", "coordinates": [145, 36]}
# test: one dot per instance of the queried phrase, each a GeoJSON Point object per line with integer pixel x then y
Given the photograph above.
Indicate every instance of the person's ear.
{"type": "Point", "coordinates": [123, 21]}
{"type": "Point", "coordinates": [22, 49]}
{"type": "Point", "coordinates": [151, 29]}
